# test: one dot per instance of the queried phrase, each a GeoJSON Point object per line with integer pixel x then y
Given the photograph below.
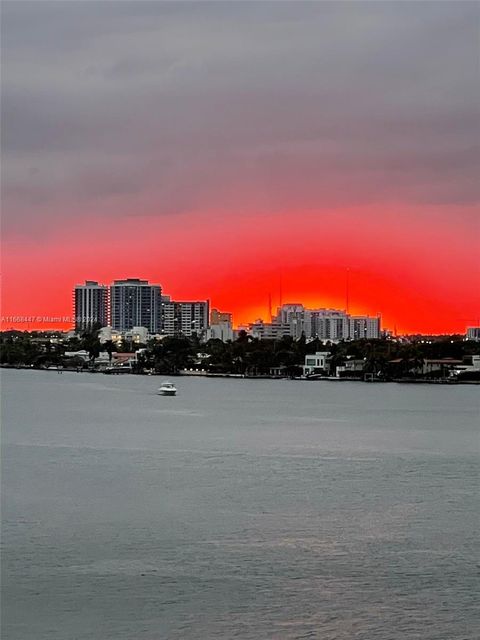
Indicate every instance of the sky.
{"type": "Point", "coordinates": [241, 151]}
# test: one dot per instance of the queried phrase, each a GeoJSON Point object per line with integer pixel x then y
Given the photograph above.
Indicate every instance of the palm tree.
{"type": "Point", "coordinates": [110, 347]}
{"type": "Point", "coordinates": [91, 344]}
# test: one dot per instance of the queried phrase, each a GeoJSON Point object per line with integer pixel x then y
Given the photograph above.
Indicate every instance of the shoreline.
{"type": "Point", "coordinates": [240, 376]}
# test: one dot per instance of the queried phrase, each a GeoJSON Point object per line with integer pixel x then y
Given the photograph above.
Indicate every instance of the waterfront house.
{"type": "Point", "coordinates": [316, 363]}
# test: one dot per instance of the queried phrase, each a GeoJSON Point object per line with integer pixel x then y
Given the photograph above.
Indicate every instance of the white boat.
{"type": "Point", "coordinates": [167, 389]}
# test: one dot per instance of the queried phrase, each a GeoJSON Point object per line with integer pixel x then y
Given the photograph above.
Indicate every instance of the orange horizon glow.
{"type": "Point", "coordinates": [419, 276]}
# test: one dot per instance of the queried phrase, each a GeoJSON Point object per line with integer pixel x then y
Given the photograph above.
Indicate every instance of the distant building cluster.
{"type": "Point", "coordinates": [330, 325]}
{"type": "Point", "coordinates": [136, 310]}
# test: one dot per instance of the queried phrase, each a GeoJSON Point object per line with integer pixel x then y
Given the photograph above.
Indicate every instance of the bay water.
{"type": "Point", "coordinates": [252, 509]}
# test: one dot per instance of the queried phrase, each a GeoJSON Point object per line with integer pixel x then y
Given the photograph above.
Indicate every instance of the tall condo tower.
{"type": "Point", "coordinates": [91, 305]}
{"type": "Point", "coordinates": [135, 303]}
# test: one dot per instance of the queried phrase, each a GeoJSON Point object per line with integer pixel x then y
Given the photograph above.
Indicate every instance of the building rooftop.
{"type": "Point", "coordinates": [130, 281]}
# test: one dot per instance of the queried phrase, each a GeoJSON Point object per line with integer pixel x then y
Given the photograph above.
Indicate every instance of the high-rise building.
{"type": "Point", "coordinates": [363, 327]}
{"type": "Point", "coordinates": [91, 305]}
{"type": "Point", "coordinates": [328, 324]}
{"type": "Point", "coordinates": [194, 317]}
{"type": "Point", "coordinates": [185, 318]}
{"type": "Point", "coordinates": [292, 316]}
{"type": "Point", "coordinates": [135, 303]}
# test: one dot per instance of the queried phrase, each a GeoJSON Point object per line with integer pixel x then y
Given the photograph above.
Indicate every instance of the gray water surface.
{"type": "Point", "coordinates": [238, 509]}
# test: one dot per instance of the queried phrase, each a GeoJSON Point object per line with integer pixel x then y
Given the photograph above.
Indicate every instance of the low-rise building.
{"type": "Point", "coordinates": [126, 359]}
{"type": "Point", "coordinates": [316, 363]}
{"type": "Point", "coordinates": [469, 364]}
{"type": "Point", "coordinates": [106, 334]}
{"type": "Point", "coordinates": [102, 358]}
{"type": "Point", "coordinates": [217, 317]}
{"type": "Point", "coordinates": [268, 330]}
{"type": "Point", "coordinates": [138, 335]}
{"type": "Point", "coordinates": [221, 326]}
{"type": "Point", "coordinates": [442, 365]}
{"type": "Point", "coordinates": [473, 333]}
{"type": "Point", "coordinates": [351, 368]}
{"type": "Point", "coordinates": [220, 331]}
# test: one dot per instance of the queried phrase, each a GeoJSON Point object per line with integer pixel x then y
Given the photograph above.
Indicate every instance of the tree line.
{"type": "Point", "coordinates": [246, 355]}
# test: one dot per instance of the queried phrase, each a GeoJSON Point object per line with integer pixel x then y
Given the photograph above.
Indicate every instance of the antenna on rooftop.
{"type": "Point", "coordinates": [347, 290]}
{"type": "Point", "coordinates": [280, 303]}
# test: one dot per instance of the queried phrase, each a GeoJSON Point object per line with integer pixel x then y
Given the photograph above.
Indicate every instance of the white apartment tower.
{"type": "Point", "coordinates": [184, 318]}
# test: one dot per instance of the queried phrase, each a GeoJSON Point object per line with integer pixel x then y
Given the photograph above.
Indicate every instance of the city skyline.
{"type": "Point", "coordinates": [244, 151]}
{"type": "Point", "coordinates": [136, 304]}
{"type": "Point", "coordinates": [69, 319]}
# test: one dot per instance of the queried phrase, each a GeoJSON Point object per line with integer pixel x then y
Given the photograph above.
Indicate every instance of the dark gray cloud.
{"type": "Point", "coordinates": [128, 108]}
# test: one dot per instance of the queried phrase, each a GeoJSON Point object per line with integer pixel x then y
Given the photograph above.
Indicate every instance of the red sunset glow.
{"type": "Point", "coordinates": [228, 149]}
{"type": "Point", "coordinates": [414, 277]}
